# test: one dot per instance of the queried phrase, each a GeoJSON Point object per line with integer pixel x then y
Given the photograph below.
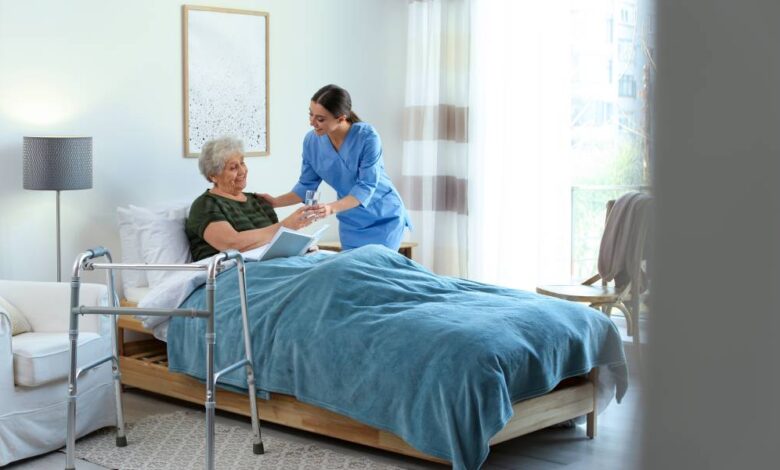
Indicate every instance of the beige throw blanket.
{"type": "Point", "coordinates": [623, 242]}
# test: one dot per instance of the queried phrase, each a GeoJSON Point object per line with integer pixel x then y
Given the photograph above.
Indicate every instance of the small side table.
{"type": "Point", "coordinates": [405, 248]}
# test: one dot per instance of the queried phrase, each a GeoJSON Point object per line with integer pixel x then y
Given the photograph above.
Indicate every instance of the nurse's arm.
{"type": "Point", "coordinates": [343, 204]}
{"type": "Point", "coordinates": [287, 199]}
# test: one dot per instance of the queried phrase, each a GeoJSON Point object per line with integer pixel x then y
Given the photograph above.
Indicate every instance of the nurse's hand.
{"type": "Point", "coordinates": [322, 210]}
{"type": "Point", "coordinates": [270, 199]}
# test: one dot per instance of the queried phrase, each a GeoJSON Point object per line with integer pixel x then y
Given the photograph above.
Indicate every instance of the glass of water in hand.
{"type": "Point", "coordinates": [312, 199]}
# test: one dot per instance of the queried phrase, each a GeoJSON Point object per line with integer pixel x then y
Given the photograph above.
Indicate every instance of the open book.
{"type": "Point", "coordinates": [285, 243]}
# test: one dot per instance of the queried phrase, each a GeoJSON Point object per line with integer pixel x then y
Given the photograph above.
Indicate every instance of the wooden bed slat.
{"type": "Point", "coordinates": [157, 358]}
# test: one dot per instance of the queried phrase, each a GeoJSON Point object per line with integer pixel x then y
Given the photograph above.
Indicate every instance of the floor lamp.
{"type": "Point", "coordinates": [57, 164]}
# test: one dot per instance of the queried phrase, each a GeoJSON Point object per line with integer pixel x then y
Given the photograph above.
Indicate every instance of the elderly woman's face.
{"type": "Point", "coordinates": [233, 178]}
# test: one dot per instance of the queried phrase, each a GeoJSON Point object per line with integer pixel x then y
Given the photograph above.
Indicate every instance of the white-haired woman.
{"type": "Point", "coordinates": [225, 217]}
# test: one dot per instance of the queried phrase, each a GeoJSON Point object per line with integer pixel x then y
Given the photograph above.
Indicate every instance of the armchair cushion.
{"type": "Point", "coordinates": [19, 323]}
{"type": "Point", "coordinates": [40, 358]}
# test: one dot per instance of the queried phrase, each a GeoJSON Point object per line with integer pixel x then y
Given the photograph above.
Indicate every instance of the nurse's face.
{"type": "Point", "coordinates": [322, 120]}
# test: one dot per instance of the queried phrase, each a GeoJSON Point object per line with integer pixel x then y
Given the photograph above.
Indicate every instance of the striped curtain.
{"type": "Point", "coordinates": [434, 181]}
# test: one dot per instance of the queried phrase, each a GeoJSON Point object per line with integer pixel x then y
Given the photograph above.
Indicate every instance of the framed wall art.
{"type": "Point", "coordinates": [225, 69]}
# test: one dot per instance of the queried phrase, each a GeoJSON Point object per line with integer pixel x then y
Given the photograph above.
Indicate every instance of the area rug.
{"type": "Point", "coordinates": [176, 441]}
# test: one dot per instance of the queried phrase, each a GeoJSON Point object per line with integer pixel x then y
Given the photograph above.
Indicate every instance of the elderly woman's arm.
{"type": "Point", "coordinates": [222, 236]}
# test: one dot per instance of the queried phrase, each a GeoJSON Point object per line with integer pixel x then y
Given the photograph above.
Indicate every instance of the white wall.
{"type": "Point", "coordinates": [113, 70]}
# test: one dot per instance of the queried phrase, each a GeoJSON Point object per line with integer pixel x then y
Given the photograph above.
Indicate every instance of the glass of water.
{"type": "Point", "coordinates": [312, 199]}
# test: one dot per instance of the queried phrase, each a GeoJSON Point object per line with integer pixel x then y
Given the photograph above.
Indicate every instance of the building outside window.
{"type": "Point", "coordinates": [610, 144]}
{"type": "Point", "coordinates": [626, 51]}
{"type": "Point", "coordinates": [627, 87]}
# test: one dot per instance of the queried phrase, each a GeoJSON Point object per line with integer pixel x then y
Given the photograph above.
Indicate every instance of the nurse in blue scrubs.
{"type": "Point", "coordinates": [346, 153]}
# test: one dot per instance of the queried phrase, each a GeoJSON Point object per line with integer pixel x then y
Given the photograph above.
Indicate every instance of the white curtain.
{"type": "Point", "coordinates": [510, 107]}
{"type": "Point", "coordinates": [519, 140]}
{"type": "Point", "coordinates": [434, 182]}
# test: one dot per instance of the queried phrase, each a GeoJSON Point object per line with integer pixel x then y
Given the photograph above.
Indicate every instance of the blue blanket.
{"type": "Point", "coordinates": [374, 336]}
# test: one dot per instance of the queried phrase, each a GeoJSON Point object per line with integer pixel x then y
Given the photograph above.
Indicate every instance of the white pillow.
{"type": "Point", "coordinates": [131, 249]}
{"type": "Point", "coordinates": [19, 323]}
{"type": "Point", "coordinates": [162, 239]}
{"type": "Point", "coordinates": [130, 238]}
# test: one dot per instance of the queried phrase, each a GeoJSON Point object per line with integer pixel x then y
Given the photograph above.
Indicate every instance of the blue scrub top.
{"type": "Point", "coordinates": [356, 169]}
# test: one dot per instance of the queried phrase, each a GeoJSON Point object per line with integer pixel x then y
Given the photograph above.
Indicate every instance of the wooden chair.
{"type": "Point", "coordinates": [605, 296]}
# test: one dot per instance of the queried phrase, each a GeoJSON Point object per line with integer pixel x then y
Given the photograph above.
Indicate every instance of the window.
{"type": "Point", "coordinates": [558, 137]}
{"type": "Point", "coordinates": [625, 122]}
{"type": "Point", "coordinates": [627, 87]}
{"type": "Point", "coordinates": [626, 15]}
{"type": "Point", "coordinates": [590, 113]}
{"type": "Point", "coordinates": [626, 51]}
{"type": "Point", "coordinates": [608, 147]}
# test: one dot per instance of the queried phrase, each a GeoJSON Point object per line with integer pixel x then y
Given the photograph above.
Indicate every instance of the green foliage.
{"type": "Point", "coordinates": [601, 175]}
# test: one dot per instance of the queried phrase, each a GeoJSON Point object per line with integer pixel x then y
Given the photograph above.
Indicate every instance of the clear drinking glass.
{"type": "Point", "coordinates": [312, 199]}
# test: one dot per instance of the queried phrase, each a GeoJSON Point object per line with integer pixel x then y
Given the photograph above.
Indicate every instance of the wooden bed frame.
{"type": "Point", "coordinates": [144, 365]}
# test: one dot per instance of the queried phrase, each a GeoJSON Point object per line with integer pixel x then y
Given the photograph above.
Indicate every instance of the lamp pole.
{"type": "Point", "coordinates": [59, 256]}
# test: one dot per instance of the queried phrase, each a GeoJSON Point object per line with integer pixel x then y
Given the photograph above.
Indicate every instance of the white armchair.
{"type": "Point", "coordinates": [34, 369]}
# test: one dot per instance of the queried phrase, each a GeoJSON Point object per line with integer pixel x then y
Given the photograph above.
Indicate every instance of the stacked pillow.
{"type": "Point", "coordinates": [152, 236]}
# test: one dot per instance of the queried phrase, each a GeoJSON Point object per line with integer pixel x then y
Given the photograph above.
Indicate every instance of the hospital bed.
{"type": "Point", "coordinates": [146, 354]}
{"type": "Point", "coordinates": [145, 364]}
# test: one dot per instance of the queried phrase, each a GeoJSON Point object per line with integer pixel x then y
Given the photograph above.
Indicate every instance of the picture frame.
{"type": "Point", "coordinates": [225, 77]}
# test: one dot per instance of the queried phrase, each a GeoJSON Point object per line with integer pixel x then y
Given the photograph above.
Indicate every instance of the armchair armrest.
{"type": "Point", "coordinates": [5, 326]}
{"type": "Point", "coordinates": [6, 357]}
{"type": "Point", "coordinates": [46, 305]}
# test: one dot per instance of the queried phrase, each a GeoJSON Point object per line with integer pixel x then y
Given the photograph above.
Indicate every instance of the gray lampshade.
{"type": "Point", "coordinates": [57, 163]}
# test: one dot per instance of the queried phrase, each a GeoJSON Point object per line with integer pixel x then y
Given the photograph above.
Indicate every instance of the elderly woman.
{"type": "Point", "coordinates": [224, 217]}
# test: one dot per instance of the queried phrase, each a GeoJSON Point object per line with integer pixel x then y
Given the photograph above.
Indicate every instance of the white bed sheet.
{"type": "Point", "coordinates": [135, 294]}
{"type": "Point", "coordinates": [172, 292]}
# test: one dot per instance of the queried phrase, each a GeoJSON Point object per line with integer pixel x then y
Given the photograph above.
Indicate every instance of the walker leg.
{"type": "Point", "coordinates": [210, 402]}
{"type": "Point", "coordinates": [73, 334]}
{"type": "Point", "coordinates": [257, 440]}
{"type": "Point", "coordinates": [121, 438]}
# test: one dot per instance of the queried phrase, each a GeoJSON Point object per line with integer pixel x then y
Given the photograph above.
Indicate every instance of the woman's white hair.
{"type": "Point", "coordinates": [215, 153]}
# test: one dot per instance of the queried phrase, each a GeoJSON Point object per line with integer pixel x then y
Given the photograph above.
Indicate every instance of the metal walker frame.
{"type": "Point", "coordinates": [84, 263]}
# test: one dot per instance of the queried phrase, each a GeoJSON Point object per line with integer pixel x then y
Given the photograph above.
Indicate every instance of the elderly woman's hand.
{"type": "Point", "coordinates": [298, 219]}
